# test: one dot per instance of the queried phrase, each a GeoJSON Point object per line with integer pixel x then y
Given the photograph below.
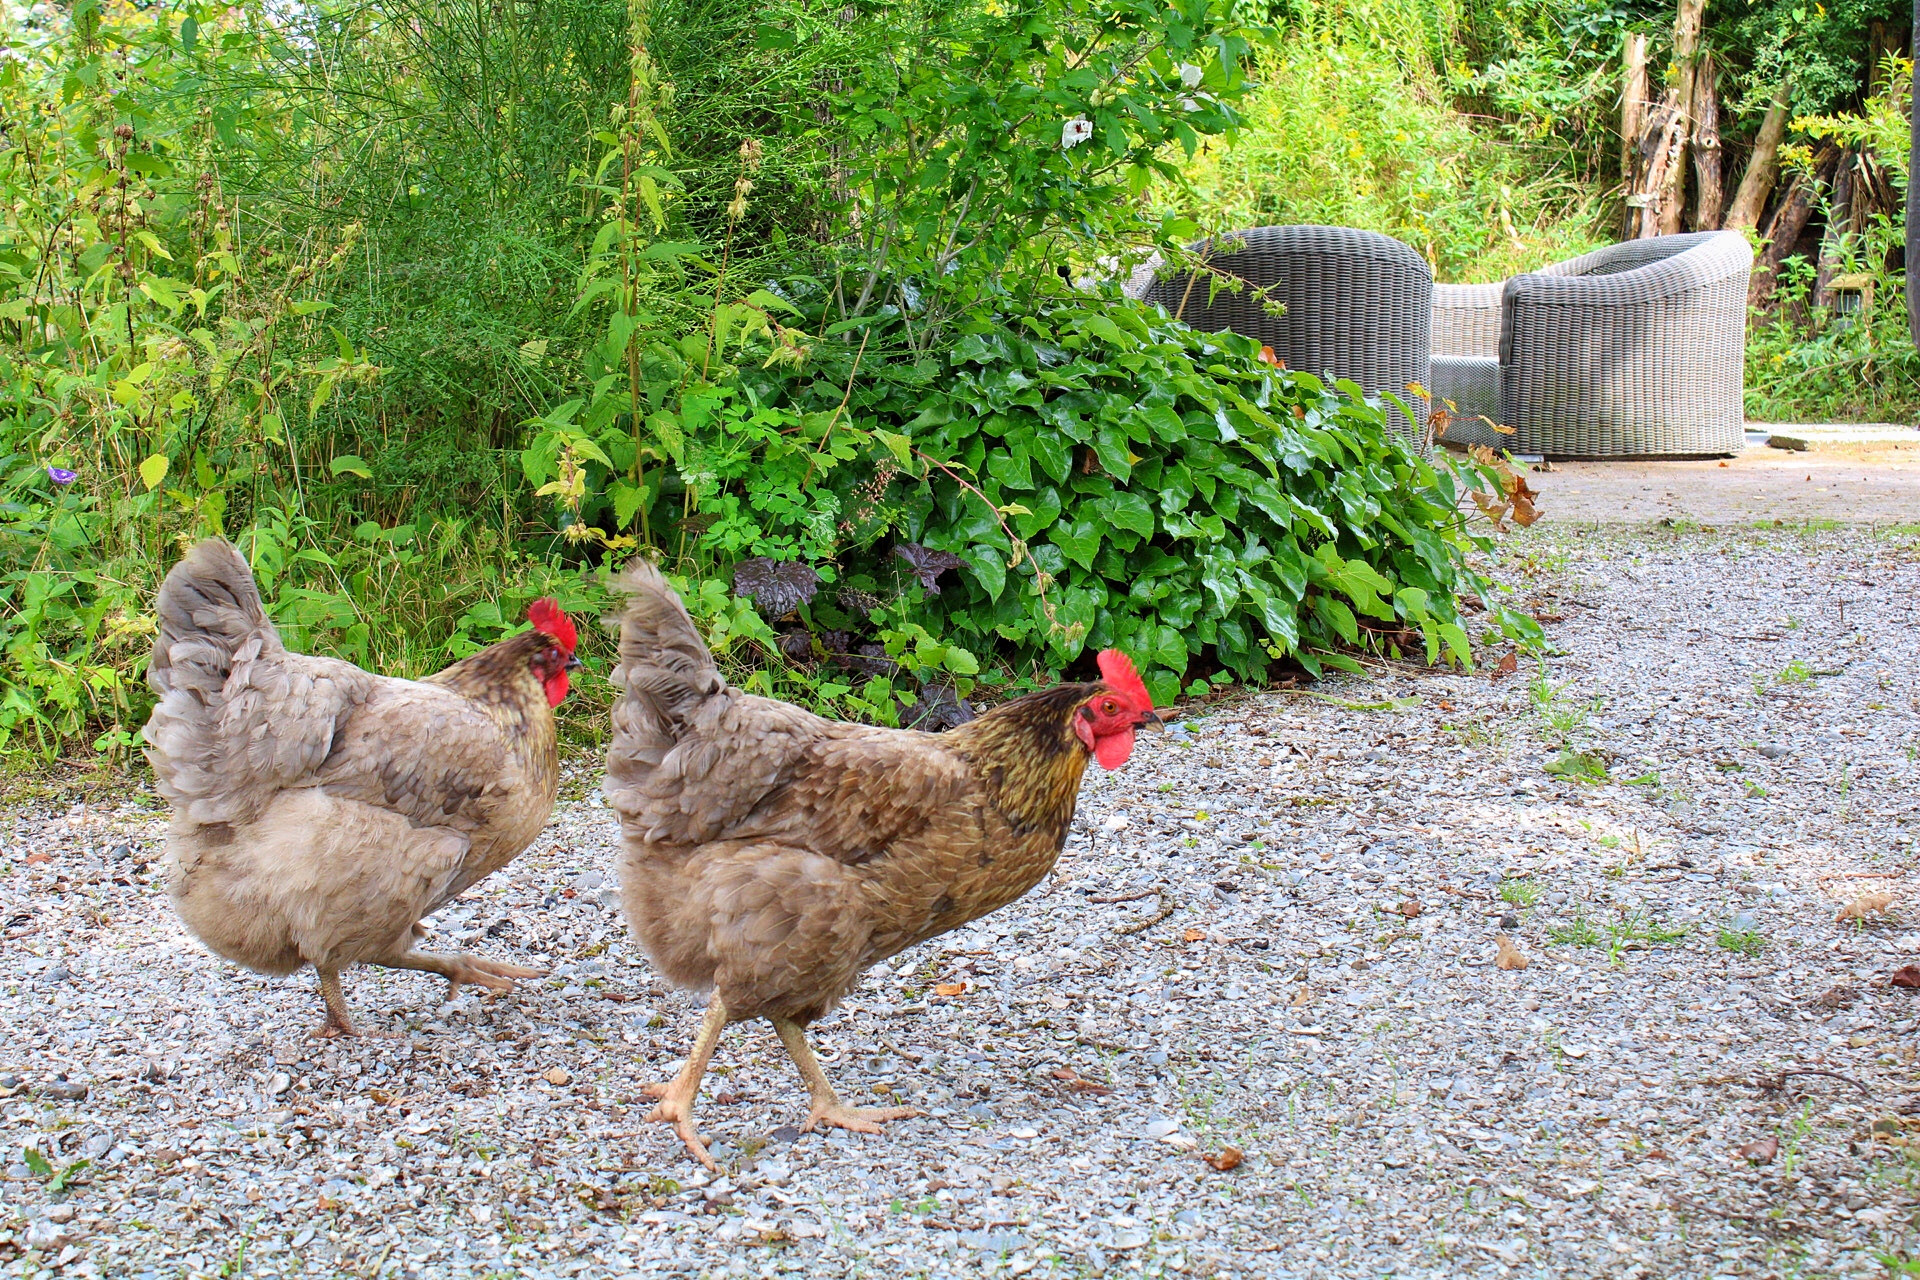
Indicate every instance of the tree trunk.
{"type": "Point", "coordinates": [1633, 123]}
{"type": "Point", "coordinates": [1913, 205]}
{"type": "Point", "coordinates": [1789, 220]}
{"type": "Point", "coordinates": [1661, 152]}
{"type": "Point", "coordinates": [1686, 51]}
{"type": "Point", "coordinates": [1757, 185]}
{"type": "Point", "coordinates": [1710, 189]}
{"type": "Point", "coordinates": [1839, 223]}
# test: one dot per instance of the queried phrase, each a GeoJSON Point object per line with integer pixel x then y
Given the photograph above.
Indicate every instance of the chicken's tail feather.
{"type": "Point", "coordinates": [209, 612]}
{"type": "Point", "coordinates": [666, 671]}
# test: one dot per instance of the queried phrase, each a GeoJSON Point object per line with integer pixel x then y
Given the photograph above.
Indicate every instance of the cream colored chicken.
{"type": "Point", "coordinates": [320, 811]}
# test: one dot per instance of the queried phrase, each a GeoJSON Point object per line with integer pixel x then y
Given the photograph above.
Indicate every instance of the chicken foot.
{"type": "Point", "coordinates": [676, 1096]}
{"type": "Point", "coordinates": [338, 1023]}
{"type": "Point", "coordinates": [827, 1109]}
{"type": "Point", "coordinates": [463, 970]}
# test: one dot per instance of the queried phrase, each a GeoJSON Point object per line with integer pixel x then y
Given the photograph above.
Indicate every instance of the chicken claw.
{"type": "Point", "coordinates": [678, 1111]}
{"type": "Point", "coordinates": [832, 1114]}
{"type": "Point", "coordinates": [491, 974]}
{"type": "Point", "coordinates": [827, 1109]}
{"type": "Point", "coordinates": [676, 1096]}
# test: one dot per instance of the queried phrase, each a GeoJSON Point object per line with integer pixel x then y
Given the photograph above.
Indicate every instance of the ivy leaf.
{"type": "Point", "coordinates": [1080, 540]}
{"type": "Point", "coordinates": [928, 564]}
{"type": "Point", "coordinates": [989, 569]}
{"type": "Point", "coordinates": [1128, 511]}
{"type": "Point", "coordinates": [776, 587]}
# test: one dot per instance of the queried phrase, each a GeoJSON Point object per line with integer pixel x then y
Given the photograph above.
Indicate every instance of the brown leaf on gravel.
{"type": "Point", "coordinates": [1193, 935]}
{"type": "Point", "coordinates": [1301, 998]}
{"type": "Point", "coordinates": [1840, 997]}
{"type": "Point", "coordinates": [1072, 1080]}
{"type": "Point", "coordinates": [949, 988]}
{"type": "Point", "coordinates": [1509, 957]}
{"type": "Point", "coordinates": [1864, 905]}
{"type": "Point", "coordinates": [556, 1076]}
{"type": "Point", "coordinates": [1762, 1151]}
{"type": "Point", "coordinates": [1410, 908]}
{"type": "Point", "coordinates": [1506, 666]}
{"type": "Point", "coordinates": [1228, 1159]}
{"type": "Point", "coordinates": [1907, 975]}
{"type": "Point", "coordinates": [1655, 1153]}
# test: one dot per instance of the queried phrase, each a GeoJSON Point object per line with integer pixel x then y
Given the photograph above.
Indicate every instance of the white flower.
{"type": "Point", "coordinates": [1188, 104]}
{"type": "Point", "coordinates": [1075, 132]}
{"type": "Point", "coordinates": [1190, 75]}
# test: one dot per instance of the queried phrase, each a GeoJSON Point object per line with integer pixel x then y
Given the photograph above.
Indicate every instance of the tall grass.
{"type": "Point", "coordinates": [1354, 126]}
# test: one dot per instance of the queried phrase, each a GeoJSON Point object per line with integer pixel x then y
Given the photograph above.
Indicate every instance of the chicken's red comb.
{"type": "Point", "coordinates": [1116, 668]}
{"type": "Point", "coordinates": [546, 616]}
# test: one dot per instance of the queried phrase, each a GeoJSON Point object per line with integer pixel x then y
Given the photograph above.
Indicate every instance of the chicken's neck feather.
{"type": "Point", "coordinates": [501, 681]}
{"type": "Point", "coordinates": [1029, 758]}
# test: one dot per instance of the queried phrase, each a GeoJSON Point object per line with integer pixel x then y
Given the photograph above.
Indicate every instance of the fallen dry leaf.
{"type": "Point", "coordinates": [1907, 975]}
{"type": "Point", "coordinates": [1410, 908]}
{"type": "Point", "coordinates": [1723, 464]}
{"type": "Point", "coordinates": [36, 859]}
{"type": "Point", "coordinates": [1193, 935]}
{"type": "Point", "coordinates": [1762, 1151]}
{"type": "Point", "coordinates": [1267, 356]}
{"type": "Point", "coordinates": [1074, 1081]}
{"type": "Point", "coordinates": [1864, 905]}
{"type": "Point", "coordinates": [556, 1076]}
{"type": "Point", "coordinates": [1509, 957]}
{"type": "Point", "coordinates": [726, 1099]}
{"type": "Point", "coordinates": [1228, 1159]}
{"type": "Point", "coordinates": [1655, 1153]}
{"type": "Point", "coordinates": [950, 988]}
{"type": "Point", "coordinates": [1301, 998]}
{"type": "Point", "coordinates": [1507, 666]}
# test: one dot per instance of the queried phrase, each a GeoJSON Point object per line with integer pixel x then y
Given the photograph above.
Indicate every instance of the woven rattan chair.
{"type": "Point", "coordinates": [1357, 304]}
{"type": "Point", "coordinates": [1633, 350]}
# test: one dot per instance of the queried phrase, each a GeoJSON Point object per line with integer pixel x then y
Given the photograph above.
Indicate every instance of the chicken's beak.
{"type": "Point", "coordinates": [1151, 717]}
{"type": "Point", "coordinates": [573, 663]}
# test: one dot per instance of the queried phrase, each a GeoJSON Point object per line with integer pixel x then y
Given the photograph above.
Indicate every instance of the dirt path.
{"type": "Point", "coordinates": [1879, 487]}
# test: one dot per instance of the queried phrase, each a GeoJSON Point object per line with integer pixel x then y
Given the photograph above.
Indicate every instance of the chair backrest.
{"type": "Point", "coordinates": [1357, 304]}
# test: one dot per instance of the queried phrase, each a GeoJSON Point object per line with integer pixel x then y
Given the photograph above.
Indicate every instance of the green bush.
{"type": "Point", "coordinates": [427, 342]}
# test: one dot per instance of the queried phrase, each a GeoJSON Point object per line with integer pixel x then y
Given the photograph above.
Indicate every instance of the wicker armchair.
{"type": "Point", "coordinates": [1633, 350]}
{"type": "Point", "coordinates": [1357, 304]}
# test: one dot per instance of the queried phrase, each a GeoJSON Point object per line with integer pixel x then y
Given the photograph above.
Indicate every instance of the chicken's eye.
{"type": "Point", "coordinates": [1110, 708]}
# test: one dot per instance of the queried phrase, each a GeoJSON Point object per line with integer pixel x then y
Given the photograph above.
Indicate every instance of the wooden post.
{"type": "Point", "coordinates": [1686, 51]}
{"type": "Point", "coordinates": [1709, 187]}
{"type": "Point", "coordinates": [1757, 185]}
{"type": "Point", "coordinates": [1633, 123]}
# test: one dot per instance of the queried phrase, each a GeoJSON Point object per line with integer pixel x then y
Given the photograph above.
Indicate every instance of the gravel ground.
{"type": "Point", "coordinates": [1273, 932]}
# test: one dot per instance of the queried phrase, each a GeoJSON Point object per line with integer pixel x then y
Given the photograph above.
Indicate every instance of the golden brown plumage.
{"type": "Point", "coordinates": [319, 811]}
{"type": "Point", "coordinates": [774, 856]}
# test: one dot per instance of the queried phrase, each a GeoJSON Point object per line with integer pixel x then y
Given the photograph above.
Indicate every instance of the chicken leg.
{"type": "Point", "coordinates": [472, 971]}
{"type": "Point", "coordinates": [676, 1096]}
{"type": "Point", "coordinates": [337, 1023]}
{"type": "Point", "coordinates": [827, 1109]}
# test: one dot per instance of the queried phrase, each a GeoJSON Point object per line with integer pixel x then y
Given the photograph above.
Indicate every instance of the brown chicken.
{"type": "Point", "coordinates": [773, 856]}
{"type": "Point", "coordinates": [319, 811]}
